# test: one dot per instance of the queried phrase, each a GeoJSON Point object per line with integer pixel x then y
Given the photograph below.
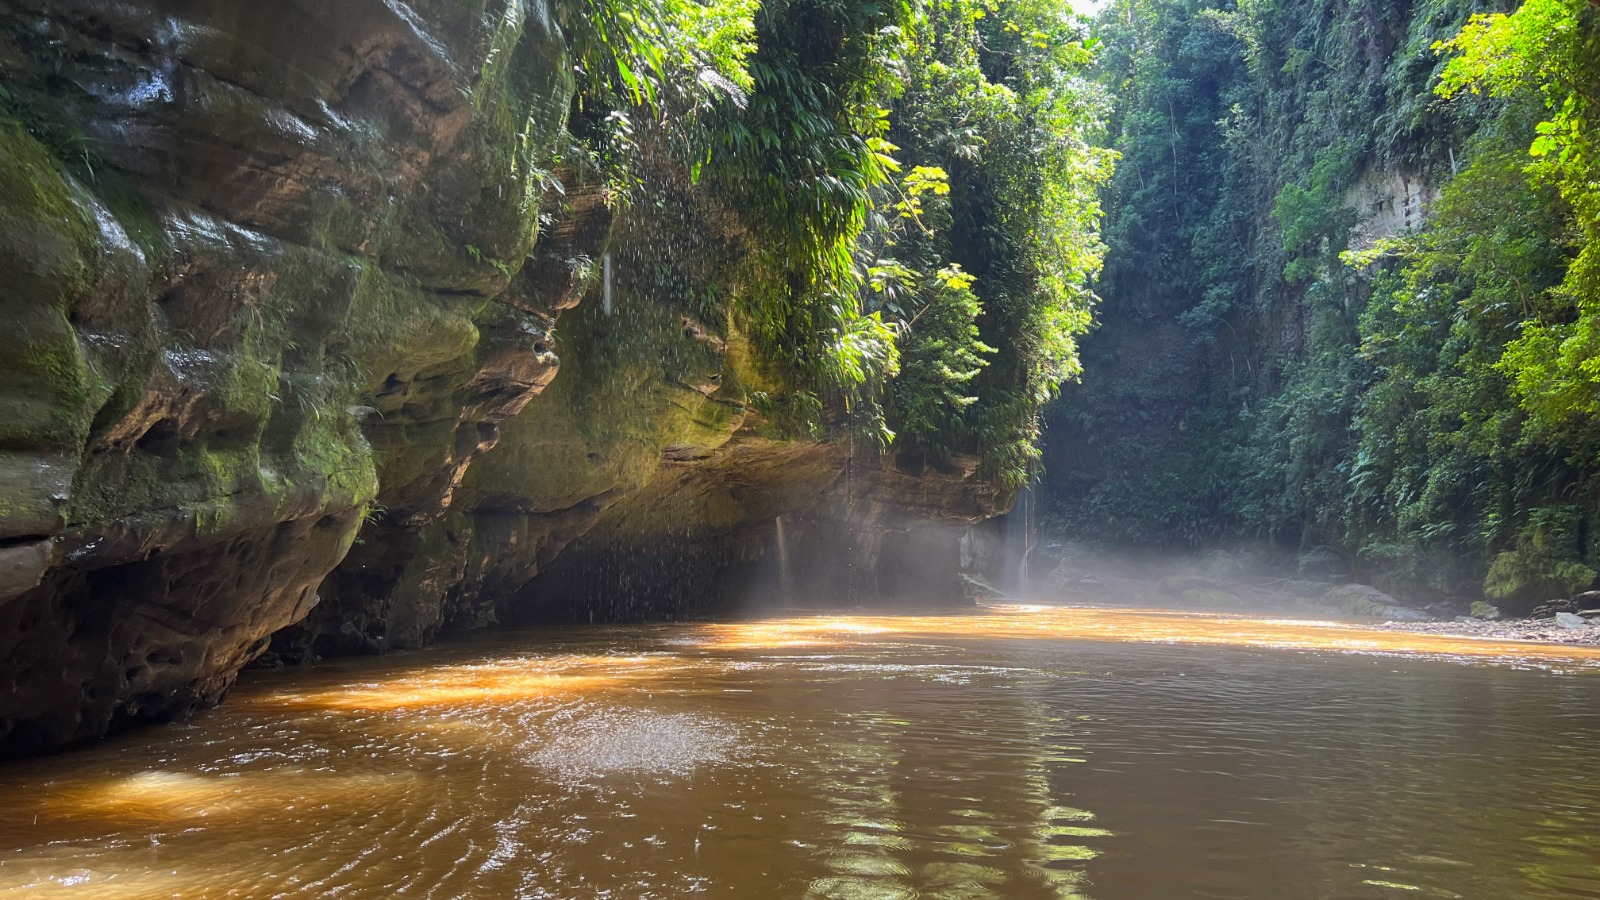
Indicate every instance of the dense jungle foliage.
{"type": "Point", "coordinates": [895, 204]}
{"type": "Point", "coordinates": [1352, 297]}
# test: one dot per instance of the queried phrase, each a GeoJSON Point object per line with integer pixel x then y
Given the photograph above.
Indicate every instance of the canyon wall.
{"type": "Point", "coordinates": [281, 364]}
{"type": "Point", "coordinates": [1343, 314]}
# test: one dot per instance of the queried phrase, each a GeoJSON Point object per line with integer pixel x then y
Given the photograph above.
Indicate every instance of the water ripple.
{"type": "Point", "coordinates": [1014, 754]}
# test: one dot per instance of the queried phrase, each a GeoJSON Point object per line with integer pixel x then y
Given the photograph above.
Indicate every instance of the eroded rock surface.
{"type": "Point", "coordinates": [280, 370]}
{"type": "Point", "coordinates": [778, 523]}
{"type": "Point", "coordinates": [253, 259]}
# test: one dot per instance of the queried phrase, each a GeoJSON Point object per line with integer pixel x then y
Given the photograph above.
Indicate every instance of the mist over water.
{"type": "Point", "coordinates": [1015, 752]}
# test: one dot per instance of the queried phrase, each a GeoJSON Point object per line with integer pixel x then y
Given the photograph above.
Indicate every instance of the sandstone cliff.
{"type": "Point", "coordinates": [281, 290]}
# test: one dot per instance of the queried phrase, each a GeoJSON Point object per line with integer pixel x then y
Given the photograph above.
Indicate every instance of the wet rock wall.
{"type": "Point", "coordinates": [280, 371]}
{"type": "Point", "coordinates": [256, 286]}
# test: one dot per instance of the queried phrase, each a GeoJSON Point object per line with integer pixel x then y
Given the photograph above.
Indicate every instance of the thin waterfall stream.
{"type": "Point", "coordinates": [1018, 536]}
{"type": "Point", "coordinates": [785, 575]}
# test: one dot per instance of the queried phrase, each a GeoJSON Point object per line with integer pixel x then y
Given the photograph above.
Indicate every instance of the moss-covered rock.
{"type": "Point", "coordinates": [1360, 600]}
{"type": "Point", "coordinates": [283, 288]}
{"type": "Point", "coordinates": [251, 261]}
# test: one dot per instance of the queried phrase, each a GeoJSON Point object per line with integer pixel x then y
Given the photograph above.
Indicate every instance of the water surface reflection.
{"type": "Point", "coordinates": [1015, 753]}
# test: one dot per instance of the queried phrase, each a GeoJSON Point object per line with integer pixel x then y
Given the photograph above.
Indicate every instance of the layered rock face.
{"type": "Point", "coordinates": [278, 311]}
{"type": "Point", "coordinates": [786, 525]}
{"type": "Point", "coordinates": [253, 271]}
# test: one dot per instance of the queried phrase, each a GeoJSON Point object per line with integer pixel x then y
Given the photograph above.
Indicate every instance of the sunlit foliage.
{"type": "Point", "coordinates": [1552, 47]}
{"type": "Point", "coordinates": [913, 185]}
{"type": "Point", "coordinates": [996, 98]}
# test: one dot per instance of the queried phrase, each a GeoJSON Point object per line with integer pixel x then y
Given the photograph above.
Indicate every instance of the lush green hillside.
{"type": "Point", "coordinates": [1350, 302]}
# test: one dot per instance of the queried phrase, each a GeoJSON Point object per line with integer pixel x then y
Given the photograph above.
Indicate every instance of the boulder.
{"type": "Point", "coordinates": [1482, 610]}
{"type": "Point", "coordinates": [1407, 614]}
{"type": "Point", "coordinates": [1367, 609]}
{"type": "Point", "coordinates": [1571, 621]}
{"type": "Point", "coordinates": [1311, 590]}
{"type": "Point", "coordinates": [1576, 604]}
{"type": "Point", "coordinates": [1353, 598]}
{"type": "Point", "coordinates": [1368, 602]}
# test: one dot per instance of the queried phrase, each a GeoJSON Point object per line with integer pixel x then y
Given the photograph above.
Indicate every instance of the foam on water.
{"type": "Point", "coordinates": [633, 742]}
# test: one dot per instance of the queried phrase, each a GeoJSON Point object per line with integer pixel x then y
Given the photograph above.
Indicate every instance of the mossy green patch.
{"type": "Point", "coordinates": [639, 375]}
{"type": "Point", "coordinates": [49, 252]}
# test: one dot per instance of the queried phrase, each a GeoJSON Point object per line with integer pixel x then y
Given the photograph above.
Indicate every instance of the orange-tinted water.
{"type": "Point", "coordinates": [1013, 753]}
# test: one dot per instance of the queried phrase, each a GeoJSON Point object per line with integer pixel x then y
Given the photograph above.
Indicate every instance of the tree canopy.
{"type": "Point", "coordinates": [1351, 294]}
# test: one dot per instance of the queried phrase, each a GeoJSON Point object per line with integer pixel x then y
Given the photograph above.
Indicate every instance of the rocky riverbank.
{"type": "Point", "coordinates": [1543, 630]}
{"type": "Point", "coordinates": [1254, 583]}
{"type": "Point", "coordinates": [1215, 581]}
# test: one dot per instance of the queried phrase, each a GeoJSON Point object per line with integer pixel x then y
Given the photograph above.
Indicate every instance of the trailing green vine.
{"type": "Point", "coordinates": [912, 187]}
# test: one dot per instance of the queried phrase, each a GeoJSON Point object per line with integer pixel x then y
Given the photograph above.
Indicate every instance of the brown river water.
{"type": "Point", "coordinates": [1017, 752]}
